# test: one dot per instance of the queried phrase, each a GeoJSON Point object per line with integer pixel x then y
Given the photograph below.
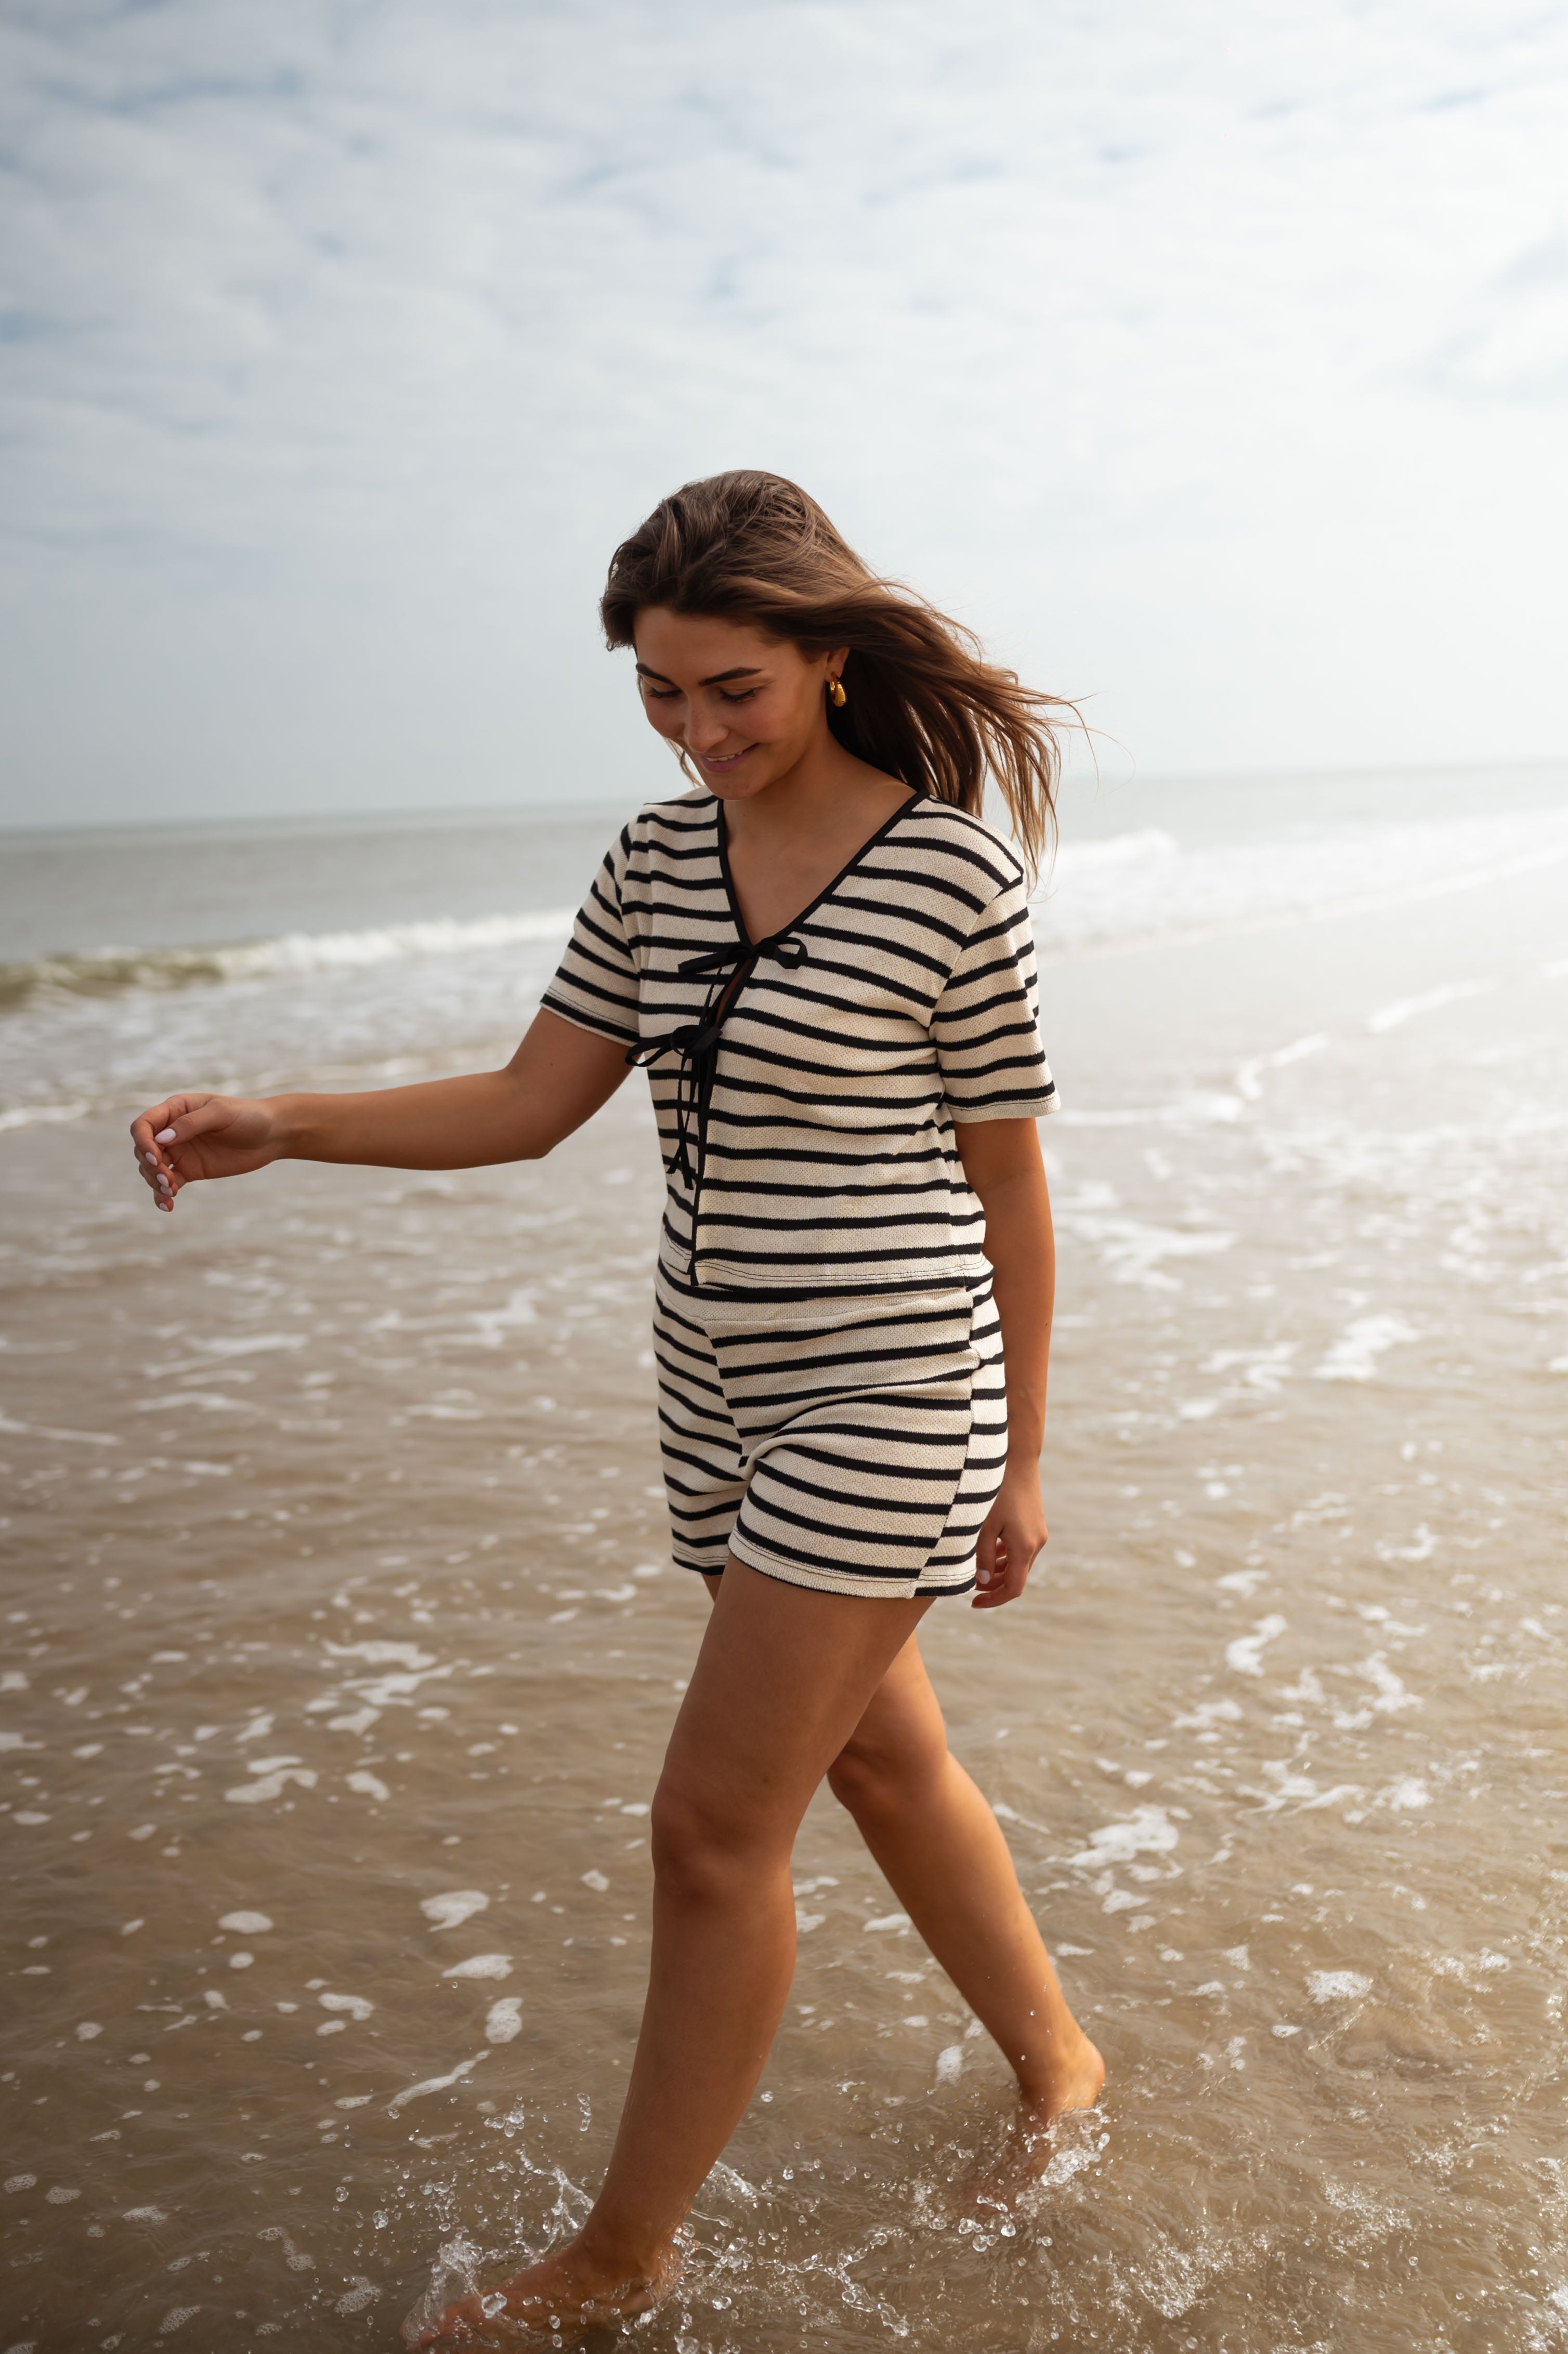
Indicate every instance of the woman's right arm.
{"type": "Point", "coordinates": [557, 1079]}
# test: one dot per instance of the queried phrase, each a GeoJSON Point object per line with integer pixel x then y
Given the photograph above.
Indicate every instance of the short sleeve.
{"type": "Point", "coordinates": [595, 985]}
{"type": "Point", "coordinates": [986, 1023]}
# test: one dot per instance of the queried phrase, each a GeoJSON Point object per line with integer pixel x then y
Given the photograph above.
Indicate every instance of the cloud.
{"type": "Point", "coordinates": [1510, 342]}
{"type": "Point", "coordinates": [342, 343]}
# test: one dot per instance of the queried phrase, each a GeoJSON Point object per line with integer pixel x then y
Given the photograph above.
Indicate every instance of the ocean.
{"type": "Point", "coordinates": [310, 2015]}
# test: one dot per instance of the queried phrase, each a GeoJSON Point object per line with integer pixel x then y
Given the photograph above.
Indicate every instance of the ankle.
{"type": "Point", "coordinates": [612, 2259]}
{"type": "Point", "coordinates": [1071, 2067]}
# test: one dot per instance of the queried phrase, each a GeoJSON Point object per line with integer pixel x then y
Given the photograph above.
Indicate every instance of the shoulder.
{"type": "Point", "coordinates": [939, 830]}
{"type": "Point", "coordinates": [683, 818]}
{"type": "Point", "coordinates": [678, 810]}
{"type": "Point", "coordinates": [680, 826]}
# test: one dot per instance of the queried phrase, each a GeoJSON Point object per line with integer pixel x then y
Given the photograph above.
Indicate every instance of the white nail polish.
{"type": "Point", "coordinates": [151, 1158]}
{"type": "Point", "coordinates": [164, 1182]}
{"type": "Point", "coordinates": [165, 1135]}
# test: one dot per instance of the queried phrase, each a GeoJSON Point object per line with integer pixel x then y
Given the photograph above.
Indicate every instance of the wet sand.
{"type": "Point", "coordinates": [339, 1599]}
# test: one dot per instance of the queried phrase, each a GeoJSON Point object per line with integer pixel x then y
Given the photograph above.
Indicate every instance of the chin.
{"type": "Point", "coordinates": [735, 784]}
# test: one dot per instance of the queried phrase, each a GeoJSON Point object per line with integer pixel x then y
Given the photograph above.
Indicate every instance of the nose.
{"type": "Point", "coordinates": [705, 730]}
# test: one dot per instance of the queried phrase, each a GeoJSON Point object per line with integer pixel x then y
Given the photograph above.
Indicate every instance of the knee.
{"type": "Point", "coordinates": [700, 1853]}
{"type": "Point", "coordinates": [874, 1784]}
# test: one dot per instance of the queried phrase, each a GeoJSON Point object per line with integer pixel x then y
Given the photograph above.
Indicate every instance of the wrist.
{"type": "Point", "coordinates": [286, 1136]}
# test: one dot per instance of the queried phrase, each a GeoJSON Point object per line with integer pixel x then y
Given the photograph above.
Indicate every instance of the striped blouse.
{"type": "Point", "coordinates": [805, 1108]}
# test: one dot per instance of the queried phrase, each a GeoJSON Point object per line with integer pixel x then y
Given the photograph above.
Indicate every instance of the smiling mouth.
{"type": "Point", "coordinates": [729, 759]}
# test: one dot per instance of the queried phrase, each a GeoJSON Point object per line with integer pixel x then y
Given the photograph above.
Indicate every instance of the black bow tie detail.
{"type": "Point", "coordinates": [697, 1042]}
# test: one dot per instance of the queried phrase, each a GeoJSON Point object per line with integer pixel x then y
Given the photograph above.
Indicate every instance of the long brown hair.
{"type": "Point", "coordinates": [924, 703]}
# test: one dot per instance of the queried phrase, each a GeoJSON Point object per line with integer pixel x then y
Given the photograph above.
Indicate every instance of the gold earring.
{"type": "Point", "coordinates": [836, 694]}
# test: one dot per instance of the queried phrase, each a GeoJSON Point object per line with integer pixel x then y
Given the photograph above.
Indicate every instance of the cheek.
{"type": "Point", "coordinates": [664, 718]}
{"type": "Point", "coordinates": [773, 719]}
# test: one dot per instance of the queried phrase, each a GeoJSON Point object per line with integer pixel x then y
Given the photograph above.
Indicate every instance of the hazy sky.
{"type": "Point", "coordinates": [1211, 359]}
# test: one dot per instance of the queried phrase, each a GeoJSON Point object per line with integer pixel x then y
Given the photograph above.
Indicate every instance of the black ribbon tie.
{"type": "Point", "coordinates": [696, 1043]}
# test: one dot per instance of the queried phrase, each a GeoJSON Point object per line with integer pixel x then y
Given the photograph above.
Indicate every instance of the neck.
{"type": "Point", "coordinates": [826, 790]}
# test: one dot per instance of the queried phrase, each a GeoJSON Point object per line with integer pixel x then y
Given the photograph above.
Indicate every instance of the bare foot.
{"type": "Point", "coordinates": [1076, 2084]}
{"type": "Point", "coordinates": [996, 2186]}
{"type": "Point", "coordinates": [567, 2290]}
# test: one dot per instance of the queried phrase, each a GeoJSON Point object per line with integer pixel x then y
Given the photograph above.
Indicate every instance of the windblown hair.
{"type": "Point", "coordinates": [924, 703]}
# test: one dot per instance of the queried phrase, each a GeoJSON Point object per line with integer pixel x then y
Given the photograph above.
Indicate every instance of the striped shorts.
{"type": "Point", "coordinates": [851, 1444]}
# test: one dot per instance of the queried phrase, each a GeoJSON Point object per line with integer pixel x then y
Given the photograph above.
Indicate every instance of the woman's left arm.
{"type": "Point", "coordinates": [1001, 1161]}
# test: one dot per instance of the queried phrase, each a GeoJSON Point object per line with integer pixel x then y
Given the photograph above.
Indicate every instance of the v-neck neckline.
{"type": "Point", "coordinates": [827, 890]}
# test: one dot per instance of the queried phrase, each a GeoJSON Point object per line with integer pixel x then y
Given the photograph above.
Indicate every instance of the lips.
{"type": "Point", "coordinates": [729, 759]}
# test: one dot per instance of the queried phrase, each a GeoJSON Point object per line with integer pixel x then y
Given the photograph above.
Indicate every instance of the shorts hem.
{"type": "Point", "coordinates": [822, 1581]}
{"type": "Point", "coordinates": [940, 1593]}
{"type": "Point", "coordinates": [699, 1568]}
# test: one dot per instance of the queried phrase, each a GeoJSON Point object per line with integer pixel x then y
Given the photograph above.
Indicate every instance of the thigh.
{"type": "Point", "coordinates": [900, 1734]}
{"type": "Point", "coordinates": [784, 1677]}
{"type": "Point", "coordinates": [901, 1727]}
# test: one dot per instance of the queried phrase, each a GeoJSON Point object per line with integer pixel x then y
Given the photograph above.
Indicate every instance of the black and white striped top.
{"type": "Point", "coordinates": [813, 1138]}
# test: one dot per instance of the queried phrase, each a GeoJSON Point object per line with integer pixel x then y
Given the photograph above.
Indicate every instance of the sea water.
{"type": "Point", "coordinates": [343, 1641]}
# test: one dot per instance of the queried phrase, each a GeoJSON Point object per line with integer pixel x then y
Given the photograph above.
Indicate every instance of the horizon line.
{"type": "Point", "coordinates": [505, 812]}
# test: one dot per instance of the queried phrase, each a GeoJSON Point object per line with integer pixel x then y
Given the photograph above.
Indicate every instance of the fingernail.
{"type": "Point", "coordinates": [165, 1135]}
{"type": "Point", "coordinates": [164, 1182]}
{"type": "Point", "coordinates": [151, 1158]}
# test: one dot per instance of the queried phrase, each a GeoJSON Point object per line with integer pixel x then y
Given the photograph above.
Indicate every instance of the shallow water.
{"type": "Point", "coordinates": [338, 1600]}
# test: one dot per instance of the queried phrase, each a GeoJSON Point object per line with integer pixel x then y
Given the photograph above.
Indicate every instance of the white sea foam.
{"type": "Point", "coordinates": [1147, 1830]}
{"type": "Point", "coordinates": [331, 951]}
{"type": "Point", "coordinates": [46, 1114]}
{"type": "Point", "coordinates": [1245, 1654]}
{"type": "Point", "coordinates": [1354, 1356]}
{"type": "Point", "coordinates": [1132, 1251]}
{"type": "Point", "coordinates": [434, 2084]}
{"type": "Point", "coordinates": [271, 1783]}
{"type": "Point", "coordinates": [1406, 1009]}
{"type": "Point", "coordinates": [1338, 1986]}
{"type": "Point", "coordinates": [459, 1905]}
{"type": "Point", "coordinates": [1148, 894]}
{"type": "Point", "coordinates": [1392, 1697]}
{"type": "Point", "coordinates": [358, 2006]}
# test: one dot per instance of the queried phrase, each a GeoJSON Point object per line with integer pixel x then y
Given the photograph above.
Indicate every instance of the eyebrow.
{"type": "Point", "coordinates": [718, 678]}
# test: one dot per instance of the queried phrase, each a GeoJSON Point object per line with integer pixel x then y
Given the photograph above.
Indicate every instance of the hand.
{"type": "Point", "coordinates": [190, 1136]}
{"type": "Point", "coordinates": [1014, 1532]}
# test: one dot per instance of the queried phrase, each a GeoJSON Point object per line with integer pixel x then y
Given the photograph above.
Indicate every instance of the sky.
{"type": "Point", "coordinates": [1211, 359]}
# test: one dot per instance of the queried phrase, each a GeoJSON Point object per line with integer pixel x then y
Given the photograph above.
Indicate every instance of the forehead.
{"type": "Point", "coordinates": [683, 646]}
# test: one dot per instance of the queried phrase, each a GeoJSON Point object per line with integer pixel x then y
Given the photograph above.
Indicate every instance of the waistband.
{"type": "Point", "coordinates": [774, 1308]}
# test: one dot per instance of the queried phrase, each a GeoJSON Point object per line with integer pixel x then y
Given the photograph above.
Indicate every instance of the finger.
{"type": "Point", "coordinates": [160, 1181]}
{"type": "Point", "coordinates": [145, 1127]}
{"type": "Point", "coordinates": [986, 1568]}
{"type": "Point", "coordinates": [201, 1116]}
{"type": "Point", "coordinates": [1012, 1562]}
{"type": "Point", "coordinates": [149, 1155]}
{"type": "Point", "coordinates": [151, 1132]}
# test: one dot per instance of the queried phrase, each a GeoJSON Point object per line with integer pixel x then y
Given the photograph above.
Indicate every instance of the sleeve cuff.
{"type": "Point", "coordinates": [594, 1021]}
{"type": "Point", "coordinates": [970, 1116]}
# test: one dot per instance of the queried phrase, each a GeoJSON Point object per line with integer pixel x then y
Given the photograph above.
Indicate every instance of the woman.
{"type": "Point", "coordinates": [823, 958]}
